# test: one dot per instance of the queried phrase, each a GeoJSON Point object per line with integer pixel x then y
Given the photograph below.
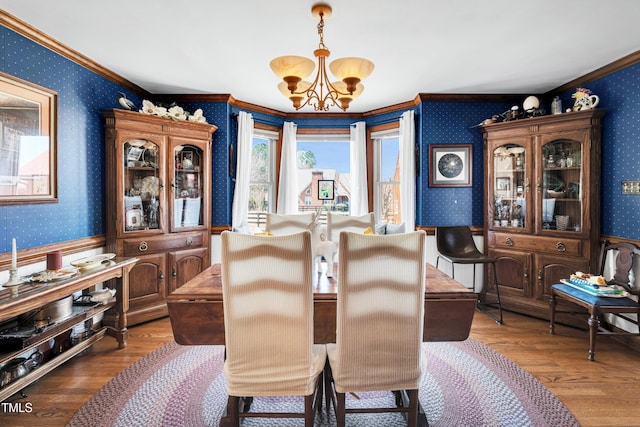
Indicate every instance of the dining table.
{"type": "Point", "coordinates": [197, 315]}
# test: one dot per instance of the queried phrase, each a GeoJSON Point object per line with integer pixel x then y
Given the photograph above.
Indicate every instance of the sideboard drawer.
{"type": "Point", "coordinates": [141, 246]}
{"type": "Point", "coordinates": [550, 245]}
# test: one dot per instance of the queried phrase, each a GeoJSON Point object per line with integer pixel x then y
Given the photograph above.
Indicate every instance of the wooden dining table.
{"type": "Point", "coordinates": [197, 317]}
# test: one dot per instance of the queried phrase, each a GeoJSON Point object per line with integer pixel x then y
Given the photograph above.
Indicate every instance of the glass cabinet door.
{"type": "Point", "coordinates": [510, 186]}
{"type": "Point", "coordinates": [562, 197]}
{"type": "Point", "coordinates": [187, 186]}
{"type": "Point", "coordinates": [141, 185]}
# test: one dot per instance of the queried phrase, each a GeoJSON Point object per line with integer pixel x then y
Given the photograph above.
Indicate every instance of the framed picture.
{"type": "Point", "coordinates": [450, 165]}
{"type": "Point", "coordinates": [28, 141]}
{"type": "Point", "coordinates": [325, 189]}
{"type": "Point", "coordinates": [503, 184]}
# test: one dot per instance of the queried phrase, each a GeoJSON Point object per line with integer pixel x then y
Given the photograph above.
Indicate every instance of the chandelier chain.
{"type": "Point", "coordinates": [321, 45]}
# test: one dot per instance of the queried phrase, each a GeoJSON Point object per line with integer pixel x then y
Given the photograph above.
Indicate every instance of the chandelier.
{"type": "Point", "coordinates": [321, 93]}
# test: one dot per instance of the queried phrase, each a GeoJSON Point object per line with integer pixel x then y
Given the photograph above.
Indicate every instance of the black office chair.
{"type": "Point", "coordinates": [455, 244]}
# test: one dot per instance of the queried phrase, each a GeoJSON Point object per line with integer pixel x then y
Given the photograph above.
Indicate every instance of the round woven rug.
{"type": "Point", "coordinates": [466, 384]}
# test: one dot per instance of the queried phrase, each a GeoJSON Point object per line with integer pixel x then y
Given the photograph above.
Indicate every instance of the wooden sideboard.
{"type": "Point", "coordinates": [33, 296]}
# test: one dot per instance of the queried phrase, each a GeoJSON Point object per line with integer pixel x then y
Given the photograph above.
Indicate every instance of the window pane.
{"type": "Point", "coordinates": [390, 151]}
{"type": "Point", "coordinates": [388, 185]}
{"type": "Point", "coordinates": [260, 160]}
{"type": "Point", "coordinates": [390, 194]}
{"type": "Point", "coordinates": [261, 187]}
{"type": "Point", "coordinates": [323, 160]}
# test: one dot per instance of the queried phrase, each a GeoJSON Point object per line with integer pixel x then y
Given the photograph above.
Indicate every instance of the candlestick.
{"type": "Point", "coordinates": [14, 255]}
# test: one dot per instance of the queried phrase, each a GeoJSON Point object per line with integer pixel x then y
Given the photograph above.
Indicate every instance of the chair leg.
{"type": "Point", "coordinates": [318, 392]}
{"type": "Point", "coordinates": [594, 322]}
{"type": "Point", "coordinates": [412, 419]}
{"type": "Point", "coordinates": [328, 389]}
{"type": "Point", "coordinates": [552, 313]}
{"type": "Point", "coordinates": [495, 280]}
{"type": "Point", "coordinates": [484, 306]}
{"type": "Point", "coordinates": [309, 413]}
{"type": "Point", "coordinates": [233, 407]}
{"type": "Point", "coordinates": [340, 410]}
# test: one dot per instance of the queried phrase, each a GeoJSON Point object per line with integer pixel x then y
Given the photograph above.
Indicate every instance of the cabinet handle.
{"type": "Point", "coordinates": [560, 247]}
{"type": "Point", "coordinates": [174, 273]}
{"type": "Point", "coordinates": [143, 246]}
{"type": "Point", "coordinates": [539, 277]}
{"type": "Point", "coordinates": [527, 185]}
{"type": "Point", "coordinates": [161, 276]}
{"type": "Point", "coordinates": [189, 241]}
{"type": "Point", "coordinates": [508, 241]}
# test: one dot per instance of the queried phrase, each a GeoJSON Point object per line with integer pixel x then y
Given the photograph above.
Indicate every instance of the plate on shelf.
{"type": "Point", "coordinates": [52, 275]}
{"type": "Point", "coordinates": [92, 261]}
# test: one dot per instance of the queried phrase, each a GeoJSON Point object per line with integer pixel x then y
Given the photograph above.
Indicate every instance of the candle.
{"type": "Point", "coordinates": [14, 255]}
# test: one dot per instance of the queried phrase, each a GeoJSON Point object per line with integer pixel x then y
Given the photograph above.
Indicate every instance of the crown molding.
{"type": "Point", "coordinates": [46, 41]}
{"type": "Point", "coordinates": [615, 66]}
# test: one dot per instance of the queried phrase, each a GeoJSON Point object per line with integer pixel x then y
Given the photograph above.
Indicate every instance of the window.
{"type": "Point", "coordinates": [325, 157]}
{"type": "Point", "coordinates": [386, 173]}
{"type": "Point", "coordinates": [262, 186]}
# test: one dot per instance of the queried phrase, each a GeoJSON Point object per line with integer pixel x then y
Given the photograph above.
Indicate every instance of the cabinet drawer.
{"type": "Point", "coordinates": [551, 245]}
{"type": "Point", "coordinates": [141, 246]}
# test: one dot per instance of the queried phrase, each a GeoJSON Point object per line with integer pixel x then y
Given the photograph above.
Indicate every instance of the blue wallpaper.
{"type": "Point", "coordinates": [82, 95]}
{"type": "Point", "coordinates": [619, 94]}
{"type": "Point", "coordinates": [452, 123]}
{"type": "Point", "coordinates": [219, 114]}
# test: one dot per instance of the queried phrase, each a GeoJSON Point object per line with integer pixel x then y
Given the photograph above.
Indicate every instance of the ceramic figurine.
{"type": "Point", "coordinates": [584, 100]}
{"type": "Point", "coordinates": [321, 248]}
{"type": "Point", "coordinates": [126, 103]}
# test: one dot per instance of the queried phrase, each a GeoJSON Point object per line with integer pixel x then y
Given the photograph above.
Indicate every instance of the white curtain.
{"type": "Point", "coordinates": [288, 187]}
{"type": "Point", "coordinates": [240, 207]}
{"type": "Point", "coordinates": [408, 170]}
{"type": "Point", "coordinates": [359, 203]}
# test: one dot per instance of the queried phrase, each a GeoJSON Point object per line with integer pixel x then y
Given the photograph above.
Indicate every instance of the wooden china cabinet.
{"type": "Point", "coordinates": [158, 181]}
{"type": "Point", "coordinates": [542, 204]}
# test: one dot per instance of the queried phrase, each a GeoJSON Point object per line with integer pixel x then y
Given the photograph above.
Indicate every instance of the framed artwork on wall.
{"type": "Point", "coordinates": [450, 165]}
{"type": "Point", "coordinates": [28, 156]}
{"type": "Point", "coordinates": [325, 189]}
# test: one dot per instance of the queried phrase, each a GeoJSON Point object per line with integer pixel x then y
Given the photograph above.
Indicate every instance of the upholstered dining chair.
{"type": "Point", "coordinates": [455, 244]}
{"type": "Point", "coordinates": [597, 306]}
{"type": "Point", "coordinates": [279, 224]}
{"type": "Point", "coordinates": [268, 323]}
{"type": "Point", "coordinates": [379, 323]}
{"type": "Point", "coordinates": [337, 223]}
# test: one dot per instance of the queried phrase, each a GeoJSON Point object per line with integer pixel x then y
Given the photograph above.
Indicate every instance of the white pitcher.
{"type": "Point", "coordinates": [587, 102]}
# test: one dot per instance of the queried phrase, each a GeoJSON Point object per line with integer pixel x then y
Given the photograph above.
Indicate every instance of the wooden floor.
{"type": "Point", "coordinates": [601, 393]}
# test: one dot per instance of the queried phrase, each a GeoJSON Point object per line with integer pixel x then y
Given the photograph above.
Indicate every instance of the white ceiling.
{"type": "Point", "coordinates": [418, 46]}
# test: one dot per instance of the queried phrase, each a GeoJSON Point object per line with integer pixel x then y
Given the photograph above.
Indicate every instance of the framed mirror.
{"type": "Point", "coordinates": [27, 142]}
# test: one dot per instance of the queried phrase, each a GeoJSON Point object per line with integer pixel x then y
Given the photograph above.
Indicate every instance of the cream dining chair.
{"type": "Point", "coordinates": [337, 223]}
{"type": "Point", "coordinates": [380, 315]}
{"type": "Point", "coordinates": [279, 224]}
{"type": "Point", "coordinates": [268, 323]}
